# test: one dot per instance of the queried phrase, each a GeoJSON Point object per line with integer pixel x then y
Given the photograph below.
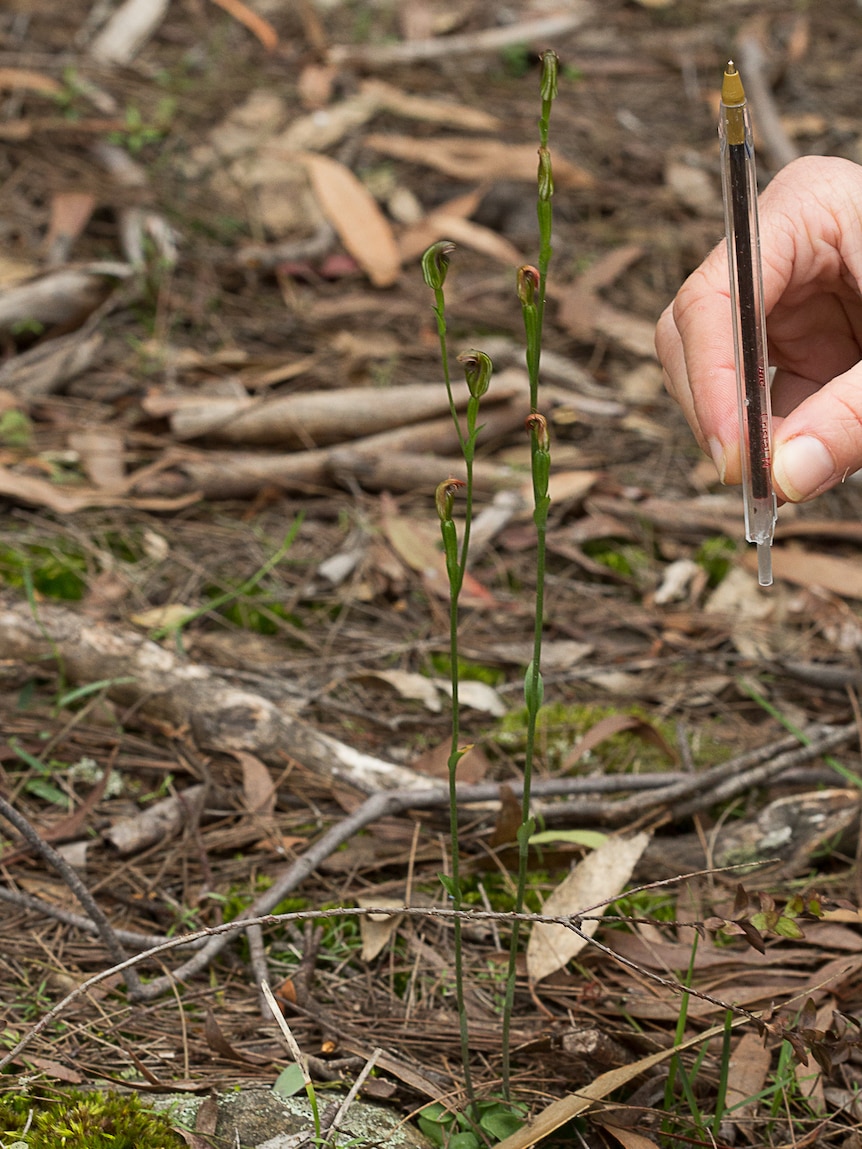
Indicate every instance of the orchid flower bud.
{"type": "Point", "coordinates": [528, 285]}
{"type": "Point", "coordinates": [539, 424]}
{"type": "Point", "coordinates": [546, 176]}
{"type": "Point", "coordinates": [550, 64]}
{"type": "Point", "coordinates": [435, 263]}
{"type": "Point", "coordinates": [478, 369]}
{"type": "Point", "coordinates": [444, 497]}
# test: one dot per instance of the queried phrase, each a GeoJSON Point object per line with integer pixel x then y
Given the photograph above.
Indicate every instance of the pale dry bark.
{"type": "Point", "coordinates": [310, 419]}
{"type": "Point", "coordinates": [399, 459]}
{"type": "Point", "coordinates": [165, 688]}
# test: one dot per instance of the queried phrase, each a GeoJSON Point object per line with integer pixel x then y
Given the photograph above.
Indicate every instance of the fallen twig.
{"type": "Point", "coordinates": [86, 925]}
{"type": "Point", "coordinates": [214, 933]}
{"type": "Point", "coordinates": [383, 805]}
{"type": "Point", "coordinates": [59, 863]}
{"type": "Point", "coordinates": [487, 40]}
{"type": "Point", "coordinates": [718, 784]}
{"type": "Point", "coordinates": [341, 1112]}
{"type": "Point", "coordinates": [828, 739]}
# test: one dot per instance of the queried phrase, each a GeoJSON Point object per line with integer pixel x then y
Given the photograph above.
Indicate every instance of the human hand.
{"type": "Point", "coordinates": [811, 249]}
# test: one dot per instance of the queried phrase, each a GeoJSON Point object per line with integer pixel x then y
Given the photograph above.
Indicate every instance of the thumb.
{"type": "Point", "coordinates": [820, 443]}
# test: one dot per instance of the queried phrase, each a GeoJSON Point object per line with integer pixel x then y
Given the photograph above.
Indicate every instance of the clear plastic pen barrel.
{"type": "Point", "coordinates": [749, 320]}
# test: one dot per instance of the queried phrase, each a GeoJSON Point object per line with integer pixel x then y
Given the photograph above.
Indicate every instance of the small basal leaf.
{"type": "Point", "coordinates": [463, 1141]}
{"type": "Point", "coordinates": [448, 884]}
{"type": "Point", "coordinates": [47, 791]}
{"type": "Point", "coordinates": [501, 1123]}
{"type": "Point", "coordinates": [592, 839]}
{"type": "Point", "coordinates": [289, 1082]}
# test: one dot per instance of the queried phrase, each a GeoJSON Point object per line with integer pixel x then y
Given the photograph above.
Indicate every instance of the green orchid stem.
{"type": "Point", "coordinates": [531, 291]}
{"type": "Point", "coordinates": [456, 565]}
{"type": "Point", "coordinates": [455, 570]}
{"type": "Point", "coordinates": [724, 1066]}
{"type": "Point", "coordinates": [442, 336]}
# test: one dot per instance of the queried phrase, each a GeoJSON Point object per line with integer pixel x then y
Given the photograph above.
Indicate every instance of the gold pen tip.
{"type": "Point", "coordinates": [732, 91]}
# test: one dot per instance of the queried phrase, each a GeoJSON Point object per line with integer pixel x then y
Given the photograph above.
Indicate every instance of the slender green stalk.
{"type": "Point", "coordinates": [435, 264]}
{"type": "Point", "coordinates": [676, 1065]}
{"type": "Point", "coordinates": [544, 210]}
{"type": "Point", "coordinates": [531, 292]}
{"type": "Point", "coordinates": [477, 371]}
{"type": "Point", "coordinates": [724, 1068]}
{"type": "Point", "coordinates": [846, 773]}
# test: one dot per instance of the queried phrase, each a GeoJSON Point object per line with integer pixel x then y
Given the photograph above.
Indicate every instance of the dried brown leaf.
{"type": "Point", "coordinates": [569, 486]}
{"type": "Point", "coordinates": [68, 826]}
{"type": "Point", "coordinates": [70, 214]}
{"type": "Point", "coordinates": [255, 23]}
{"type": "Point", "coordinates": [477, 158]}
{"type": "Point", "coordinates": [476, 695]}
{"type": "Point", "coordinates": [747, 1069]}
{"type": "Point", "coordinates": [430, 111]}
{"type": "Point", "coordinates": [586, 316]}
{"type": "Point", "coordinates": [376, 930]}
{"type": "Point", "coordinates": [594, 881]}
{"type": "Point", "coordinates": [417, 544]}
{"type": "Point", "coordinates": [219, 1044]}
{"type": "Point", "coordinates": [439, 225]}
{"type": "Point", "coordinates": [101, 452]}
{"type": "Point", "coordinates": [14, 270]}
{"type": "Point", "coordinates": [55, 1069]}
{"type": "Point", "coordinates": [473, 766]}
{"type": "Point", "coordinates": [315, 85]}
{"type": "Point", "coordinates": [28, 80]}
{"type": "Point", "coordinates": [629, 1138]}
{"type": "Point", "coordinates": [508, 820]}
{"type": "Point", "coordinates": [258, 788]}
{"type": "Point", "coordinates": [286, 991]}
{"type": "Point", "coordinates": [676, 955]}
{"type": "Point", "coordinates": [619, 724]}
{"type": "Point", "coordinates": [353, 212]}
{"type": "Point", "coordinates": [409, 685]}
{"type": "Point", "coordinates": [207, 1116]}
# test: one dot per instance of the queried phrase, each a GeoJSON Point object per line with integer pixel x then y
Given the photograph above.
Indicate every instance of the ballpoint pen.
{"type": "Point", "coordinates": [749, 320]}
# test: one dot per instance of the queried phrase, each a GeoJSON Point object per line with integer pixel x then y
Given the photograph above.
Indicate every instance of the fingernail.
{"type": "Point", "coordinates": [718, 457]}
{"type": "Point", "coordinates": [802, 466]}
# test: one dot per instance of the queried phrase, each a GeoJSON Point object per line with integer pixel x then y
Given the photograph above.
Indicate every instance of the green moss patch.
{"type": "Point", "coordinates": [75, 1120]}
